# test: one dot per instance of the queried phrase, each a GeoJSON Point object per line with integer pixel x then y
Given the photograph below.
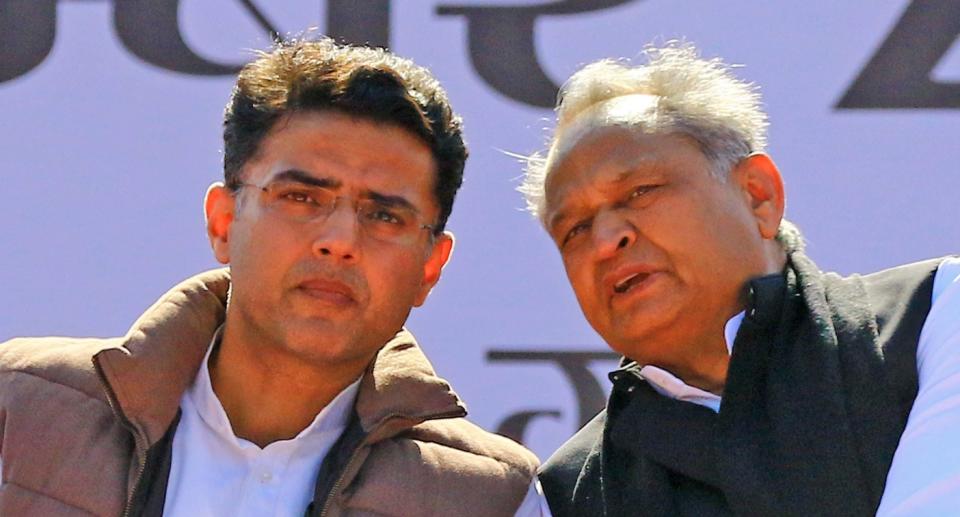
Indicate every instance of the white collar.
{"type": "Point", "coordinates": [669, 385]}
{"type": "Point", "coordinates": [333, 417]}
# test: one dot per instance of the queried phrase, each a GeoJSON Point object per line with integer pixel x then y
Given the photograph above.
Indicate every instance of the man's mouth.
{"type": "Point", "coordinates": [626, 283]}
{"type": "Point", "coordinates": [328, 290]}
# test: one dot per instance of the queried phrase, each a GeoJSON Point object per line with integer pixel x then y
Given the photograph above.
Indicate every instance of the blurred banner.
{"type": "Point", "coordinates": [111, 133]}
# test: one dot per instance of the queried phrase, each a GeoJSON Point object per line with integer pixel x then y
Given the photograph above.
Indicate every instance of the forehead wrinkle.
{"type": "Point", "coordinates": [301, 176]}
{"type": "Point", "coordinates": [627, 111]}
{"type": "Point", "coordinates": [321, 161]}
{"type": "Point", "coordinates": [281, 139]}
{"type": "Point", "coordinates": [389, 200]}
{"type": "Point", "coordinates": [613, 172]}
{"type": "Point", "coordinates": [556, 219]}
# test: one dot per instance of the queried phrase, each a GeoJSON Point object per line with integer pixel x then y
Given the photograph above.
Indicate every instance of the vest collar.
{"type": "Point", "coordinates": [765, 298]}
{"type": "Point", "coordinates": [158, 359]}
{"type": "Point", "coordinates": [400, 389]}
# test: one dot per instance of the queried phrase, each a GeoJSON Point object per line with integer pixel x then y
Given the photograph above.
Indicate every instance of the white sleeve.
{"type": "Point", "coordinates": [924, 479]}
{"type": "Point", "coordinates": [535, 503]}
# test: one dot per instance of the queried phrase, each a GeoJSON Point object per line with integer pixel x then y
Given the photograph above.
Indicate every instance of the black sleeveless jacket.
{"type": "Point", "coordinates": [820, 384]}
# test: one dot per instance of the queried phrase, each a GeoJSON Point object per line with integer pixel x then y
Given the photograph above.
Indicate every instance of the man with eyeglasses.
{"type": "Point", "coordinates": [286, 384]}
{"type": "Point", "coordinates": [752, 383]}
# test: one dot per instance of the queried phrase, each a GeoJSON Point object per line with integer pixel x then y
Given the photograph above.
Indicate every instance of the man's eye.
{"type": "Point", "coordinates": [382, 215]}
{"type": "Point", "coordinates": [640, 191]}
{"type": "Point", "coordinates": [577, 230]}
{"type": "Point", "coordinates": [298, 197]}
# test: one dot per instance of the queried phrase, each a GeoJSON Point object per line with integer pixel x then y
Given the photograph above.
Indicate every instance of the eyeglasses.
{"type": "Point", "coordinates": [384, 220]}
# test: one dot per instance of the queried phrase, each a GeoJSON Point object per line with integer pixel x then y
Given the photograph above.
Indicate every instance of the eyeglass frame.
{"type": "Point", "coordinates": [235, 187]}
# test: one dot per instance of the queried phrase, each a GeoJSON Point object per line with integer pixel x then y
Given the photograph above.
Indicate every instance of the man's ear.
{"type": "Point", "coordinates": [218, 207]}
{"type": "Point", "coordinates": [761, 184]}
{"type": "Point", "coordinates": [439, 255]}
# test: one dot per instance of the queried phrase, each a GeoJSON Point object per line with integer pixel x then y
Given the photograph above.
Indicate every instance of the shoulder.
{"type": "Point", "coordinates": [897, 297]}
{"type": "Point", "coordinates": [898, 301]}
{"type": "Point", "coordinates": [458, 437]}
{"type": "Point", "coordinates": [57, 431]}
{"type": "Point", "coordinates": [889, 288]}
{"type": "Point", "coordinates": [59, 361]}
{"type": "Point", "coordinates": [904, 279]}
{"type": "Point", "coordinates": [560, 474]}
{"type": "Point", "coordinates": [47, 380]}
{"type": "Point", "coordinates": [450, 466]}
{"type": "Point", "coordinates": [901, 296]}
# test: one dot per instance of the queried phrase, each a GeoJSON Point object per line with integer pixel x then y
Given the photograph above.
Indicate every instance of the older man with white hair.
{"type": "Point", "coordinates": [752, 383]}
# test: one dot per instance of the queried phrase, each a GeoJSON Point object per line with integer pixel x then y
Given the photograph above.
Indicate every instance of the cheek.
{"type": "Point", "coordinates": [689, 232]}
{"type": "Point", "coordinates": [395, 280]}
{"type": "Point", "coordinates": [261, 250]}
{"type": "Point", "coordinates": [718, 250]}
{"type": "Point", "coordinates": [573, 272]}
{"type": "Point", "coordinates": [581, 280]}
{"type": "Point", "coordinates": [239, 246]}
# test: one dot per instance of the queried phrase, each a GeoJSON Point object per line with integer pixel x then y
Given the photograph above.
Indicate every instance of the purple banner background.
{"type": "Point", "coordinates": [105, 160]}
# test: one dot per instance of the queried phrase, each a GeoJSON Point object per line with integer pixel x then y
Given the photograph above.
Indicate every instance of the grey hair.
{"type": "Point", "coordinates": [696, 97]}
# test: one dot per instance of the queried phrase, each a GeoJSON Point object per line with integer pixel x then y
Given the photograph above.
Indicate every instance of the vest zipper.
{"type": "Point", "coordinates": [136, 483]}
{"type": "Point", "coordinates": [338, 482]}
{"type": "Point", "coordinates": [138, 441]}
{"type": "Point", "coordinates": [353, 454]}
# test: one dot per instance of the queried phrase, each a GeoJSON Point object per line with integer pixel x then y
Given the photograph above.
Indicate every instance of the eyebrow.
{"type": "Point", "coordinates": [618, 179]}
{"type": "Point", "coordinates": [555, 221]}
{"type": "Point", "coordinates": [387, 200]}
{"type": "Point", "coordinates": [300, 176]}
{"type": "Point", "coordinates": [391, 201]}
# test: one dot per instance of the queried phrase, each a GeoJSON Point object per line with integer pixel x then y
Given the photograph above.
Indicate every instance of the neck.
{"type": "Point", "coordinates": [709, 371]}
{"type": "Point", "coordinates": [712, 361]}
{"type": "Point", "coordinates": [268, 393]}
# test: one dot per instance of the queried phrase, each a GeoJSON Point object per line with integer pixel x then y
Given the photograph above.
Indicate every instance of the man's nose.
{"type": "Point", "coordinates": [612, 231]}
{"type": "Point", "coordinates": [338, 235]}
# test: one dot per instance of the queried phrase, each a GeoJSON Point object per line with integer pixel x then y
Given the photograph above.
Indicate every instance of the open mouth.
{"type": "Point", "coordinates": [628, 282]}
{"type": "Point", "coordinates": [329, 291]}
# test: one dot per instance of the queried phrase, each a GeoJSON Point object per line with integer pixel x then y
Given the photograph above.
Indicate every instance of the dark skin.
{"type": "Point", "coordinates": [312, 303]}
{"type": "Point", "coordinates": [657, 249]}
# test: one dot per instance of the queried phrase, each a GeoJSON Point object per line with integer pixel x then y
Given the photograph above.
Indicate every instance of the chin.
{"type": "Point", "coordinates": [324, 343]}
{"type": "Point", "coordinates": [322, 353]}
{"type": "Point", "coordinates": [639, 344]}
